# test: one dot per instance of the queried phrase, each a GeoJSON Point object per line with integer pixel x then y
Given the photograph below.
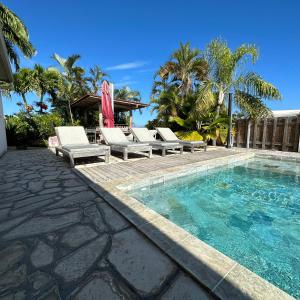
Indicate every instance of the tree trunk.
{"type": "Point", "coordinates": [70, 111]}
{"type": "Point", "coordinates": [41, 102]}
{"type": "Point", "coordinates": [24, 99]}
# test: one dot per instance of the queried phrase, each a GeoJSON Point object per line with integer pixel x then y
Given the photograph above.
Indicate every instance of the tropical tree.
{"type": "Point", "coordinates": [15, 35]}
{"type": "Point", "coordinates": [126, 93]}
{"type": "Point", "coordinates": [45, 81]}
{"type": "Point", "coordinates": [184, 70]}
{"type": "Point", "coordinates": [226, 76]}
{"type": "Point", "coordinates": [95, 79]}
{"type": "Point", "coordinates": [74, 85]}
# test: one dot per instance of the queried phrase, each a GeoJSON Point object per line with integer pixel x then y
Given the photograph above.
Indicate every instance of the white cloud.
{"type": "Point", "coordinates": [124, 83]}
{"type": "Point", "coordinates": [129, 65]}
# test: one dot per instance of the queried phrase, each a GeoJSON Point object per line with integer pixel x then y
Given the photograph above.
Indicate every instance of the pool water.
{"type": "Point", "coordinates": [250, 212]}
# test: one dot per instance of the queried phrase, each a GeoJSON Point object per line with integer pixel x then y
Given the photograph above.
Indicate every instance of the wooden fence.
{"type": "Point", "coordinates": [273, 133]}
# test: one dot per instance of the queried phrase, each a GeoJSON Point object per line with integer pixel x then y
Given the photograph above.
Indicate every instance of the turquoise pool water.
{"type": "Point", "coordinates": [250, 212]}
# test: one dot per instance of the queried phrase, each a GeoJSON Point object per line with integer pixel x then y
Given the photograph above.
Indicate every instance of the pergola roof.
{"type": "Point", "coordinates": [91, 102]}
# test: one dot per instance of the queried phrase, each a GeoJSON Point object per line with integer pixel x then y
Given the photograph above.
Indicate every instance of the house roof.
{"type": "Point", "coordinates": [5, 69]}
{"type": "Point", "coordinates": [91, 101]}
{"type": "Point", "coordinates": [286, 113]}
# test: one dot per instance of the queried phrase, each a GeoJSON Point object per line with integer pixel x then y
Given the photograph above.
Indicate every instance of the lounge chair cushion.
{"type": "Point", "coordinates": [143, 135]}
{"type": "Point", "coordinates": [68, 135]}
{"type": "Point", "coordinates": [167, 134]}
{"type": "Point", "coordinates": [77, 148]}
{"type": "Point", "coordinates": [114, 136]}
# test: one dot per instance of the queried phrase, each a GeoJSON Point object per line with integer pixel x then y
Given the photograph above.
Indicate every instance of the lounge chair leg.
{"type": "Point", "coordinates": [107, 157]}
{"type": "Point", "coordinates": [192, 149]}
{"type": "Point", "coordinates": [150, 153]}
{"type": "Point", "coordinates": [181, 150]}
{"type": "Point", "coordinates": [125, 154]}
{"type": "Point", "coordinates": [72, 161]}
{"type": "Point", "coordinates": [163, 152]}
{"type": "Point", "coordinates": [205, 148]}
{"type": "Point", "coordinates": [56, 152]}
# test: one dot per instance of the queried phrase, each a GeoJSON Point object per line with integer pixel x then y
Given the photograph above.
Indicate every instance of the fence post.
{"type": "Point", "coordinates": [254, 134]}
{"type": "Point", "coordinates": [263, 142]}
{"type": "Point", "coordinates": [285, 134]}
{"type": "Point", "coordinates": [248, 134]}
{"type": "Point", "coordinates": [274, 133]}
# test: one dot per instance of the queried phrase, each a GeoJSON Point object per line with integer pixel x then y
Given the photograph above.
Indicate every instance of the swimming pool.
{"type": "Point", "coordinates": [250, 212]}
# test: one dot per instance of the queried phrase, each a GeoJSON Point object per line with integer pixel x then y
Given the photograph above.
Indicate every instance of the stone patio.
{"type": "Point", "coordinates": [60, 240]}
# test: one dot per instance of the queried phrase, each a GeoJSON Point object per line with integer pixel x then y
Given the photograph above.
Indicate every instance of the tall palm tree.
{"type": "Point", "coordinates": [45, 81]}
{"type": "Point", "coordinates": [15, 36]}
{"type": "Point", "coordinates": [74, 84]}
{"type": "Point", "coordinates": [226, 76]}
{"type": "Point", "coordinates": [95, 79]}
{"type": "Point", "coordinates": [126, 93]}
{"type": "Point", "coordinates": [184, 69]}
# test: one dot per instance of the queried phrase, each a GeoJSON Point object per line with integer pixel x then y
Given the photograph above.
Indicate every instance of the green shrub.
{"type": "Point", "coordinates": [24, 129]}
{"type": "Point", "coordinates": [45, 124]}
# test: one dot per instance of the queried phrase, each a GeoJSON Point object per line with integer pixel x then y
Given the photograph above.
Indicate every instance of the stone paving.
{"type": "Point", "coordinates": [60, 240]}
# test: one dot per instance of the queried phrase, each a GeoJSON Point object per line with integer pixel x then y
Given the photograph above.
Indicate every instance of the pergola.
{"type": "Point", "coordinates": [93, 103]}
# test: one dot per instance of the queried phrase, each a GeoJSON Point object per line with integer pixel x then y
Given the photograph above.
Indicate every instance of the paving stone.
{"type": "Point", "coordinates": [72, 182]}
{"type": "Point", "coordinates": [13, 278]}
{"type": "Point", "coordinates": [35, 186]}
{"type": "Point", "coordinates": [20, 295]}
{"type": "Point", "coordinates": [12, 222]}
{"type": "Point", "coordinates": [51, 184]}
{"type": "Point", "coordinates": [113, 218]}
{"type": "Point", "coordinates": [74, 200]}
{"type": "Point", "coordinates": [32, 200]}
{"type": "Point", "coordinates": [52, 294]}
{"type": "Point", "coordinates": [185, 288]}
{"type": "Point", "coordinates": [102, 285]}
{"type": "Point", "coordinates": [42, 255]}
{"type": "Point", "coordinates": [3, 213]}
{"type": "Point", "coordinates": [143, 265]}
{"type": "Point", "coordinates": [76, 189]}
{"type": "Point", "coordinates": [30, 208]}
{"type": "Point", "coordinates": [11, 255]}
{"type": "Point", "coordinates": [93, 213]}
{"type": "Point", "coordinates": [15, 197]}
{"type": "Point", "coordinates": [51, 190]}
{"type": "Point", "coordinates": [7, 186]}
{"type": "Point", "coordinates": [74, 266]}
{"type": "Point", "coordinates": [45, 224]}
{"type": "Point", "coordinates": [78, 235]}
{"type": "Point", "coordinates": [39, 280]}
{"type": "Point", "coordinates": [57, 211]}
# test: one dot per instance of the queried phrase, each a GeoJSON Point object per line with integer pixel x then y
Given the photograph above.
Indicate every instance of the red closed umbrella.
{"type": "Point", "coordinates": [106, 103]}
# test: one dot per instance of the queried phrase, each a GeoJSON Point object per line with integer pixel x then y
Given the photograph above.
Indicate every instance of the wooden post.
{"type": "Point", "coordinates": [85, 117]}
{"type": "Point", "coordinates": [254, 134]}
{"type": "Point", "coordinates": [297, 135]}
{"type": "Point", "coordinates": [100, 115]}
{"type": "Point", "coordinates": [263, 142]}
{"type": "Point", "coordinates": [248, 134]}
{"type": "Point", "coordinates": [274, 133]}
{"type": "Point", "coordinates": [130, 119]}
{"type": "Point", "coordinates": [285, 134]}
{"type": "Point", "coordinates": [238, 134]}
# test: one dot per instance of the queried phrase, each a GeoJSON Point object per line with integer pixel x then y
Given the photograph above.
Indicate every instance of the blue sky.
{"type": "Point", "coordinates": [130, 39]}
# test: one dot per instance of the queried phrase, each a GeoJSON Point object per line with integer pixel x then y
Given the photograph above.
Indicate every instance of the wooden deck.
{"type": "Point", "coordinates": [122, 170]}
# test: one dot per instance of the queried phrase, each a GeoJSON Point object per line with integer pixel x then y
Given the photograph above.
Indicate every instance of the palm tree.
{"type": "Point", "coordinates": [184, 69]}
{"type": "Point", "coordinates": [225, 76]}
{"type": "Point", "coordinates": [45, 81]}
{"type": "Point", "coordinates": [74, 84]}
{"type": "Point", "coordinates": [15, 35]}
{"type": "Point", "coordinates": [95, 79]}
{"type": "Point", "coordinates": [126, 93]}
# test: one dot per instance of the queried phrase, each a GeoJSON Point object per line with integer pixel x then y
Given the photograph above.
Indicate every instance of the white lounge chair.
{"type": "Point", "coordinates": [143, 135]}
{"type": "Point", "coordinates": [118, 142]}
{"type": "Point", "coordinates": [74, 143]}
{"type": "Point", "coordinates": [169, 136]}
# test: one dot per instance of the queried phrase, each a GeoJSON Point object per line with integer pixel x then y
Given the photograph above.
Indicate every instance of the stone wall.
{"type": "Point", "coordinates": [3, 143]}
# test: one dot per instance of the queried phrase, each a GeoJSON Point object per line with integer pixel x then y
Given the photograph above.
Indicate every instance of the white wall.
{"type": "Point", "coordinates": [3, 143]}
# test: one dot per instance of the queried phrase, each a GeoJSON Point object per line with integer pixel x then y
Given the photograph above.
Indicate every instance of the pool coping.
{"type": "Point", "coordinates": [221, 275]}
